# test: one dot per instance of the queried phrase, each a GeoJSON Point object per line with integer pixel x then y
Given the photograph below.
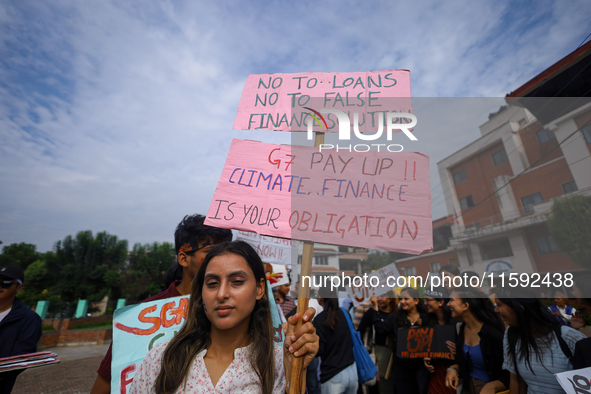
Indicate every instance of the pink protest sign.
{"type": "Point", "coordinates": [378, 200]}
{"type": "Point", "coordinates": [282, 101]}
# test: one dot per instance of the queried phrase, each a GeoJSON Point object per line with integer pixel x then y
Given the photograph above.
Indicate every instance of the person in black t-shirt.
{"type": "Point", "coordinates": [338, 371]}
{"type": "Point", "coordinates": [382, 307]}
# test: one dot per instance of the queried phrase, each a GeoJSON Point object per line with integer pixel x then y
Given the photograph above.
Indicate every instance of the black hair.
{"type": "Point", "coordinates": [189, 229]}
{"type": "Point", "coordinates": [192, 228]}
{"type": "Point", "coordinates": [480, 306]}
{"type": "Point", "coordinates": [401, 315]}
{"type": "Point", "coordinates": [452, 269]}
{"type": "Point", "coordinates": [194, 335]}
{"type": "Point", "coordinates": [433, 320]}
{"type": "Point", "coordinates": [534, 322]}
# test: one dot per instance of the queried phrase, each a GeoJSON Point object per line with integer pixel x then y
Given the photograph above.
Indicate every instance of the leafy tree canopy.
{"type": "Point", "coordinates": [570, 228]}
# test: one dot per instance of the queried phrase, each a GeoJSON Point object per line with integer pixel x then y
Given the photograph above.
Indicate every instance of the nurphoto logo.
{"type": "Point", "coordinates": [393, 122]}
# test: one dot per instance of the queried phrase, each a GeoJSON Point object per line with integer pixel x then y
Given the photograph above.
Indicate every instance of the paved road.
{"type": "Point", "coordinates": [75, 374]}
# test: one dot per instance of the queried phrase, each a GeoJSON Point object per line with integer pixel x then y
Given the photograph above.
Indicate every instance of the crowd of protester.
{"type": "Point", "coordinates": [504, 341]}
{"type": "Point", "coordinates": [507, 340]}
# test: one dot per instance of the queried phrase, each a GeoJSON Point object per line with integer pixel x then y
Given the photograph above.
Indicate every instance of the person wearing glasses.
{"type": "Point", "coordinates": [20, 327]}
{"type": "Point", "coordinates": [193, 240]}
{"type": "Point", "coordinates": [479, 344]}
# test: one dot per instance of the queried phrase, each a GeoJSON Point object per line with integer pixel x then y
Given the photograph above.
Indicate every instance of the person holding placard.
{"type": "Point", "coordinates": [226, 343]}
{"type": "Point", "coordinates": [410, 375]}
{"type": "Point", "coordinates": [439, 314]}
{"type": "Point", "coordinates": [535, 345]}
{"type": "Point", "coordinates": [382, 307]}
{"type": "Point", "coordinates": [193, 240]}
{"type": "Point", "coordinates": [479, 344]}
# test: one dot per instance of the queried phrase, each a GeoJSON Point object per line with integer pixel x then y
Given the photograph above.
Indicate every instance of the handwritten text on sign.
{"type": "Point", "coordinates": [420, 342]}
{"type": "Point", "coordinates": [136, 330]}
{"type": "Point", "coordinates": [375, 200]}
{"type": "Point", "coordinates": [362, 294]}
{"type": "Point", "coordinates": [278, 101]}
{"type": "Point", "coordinates": [272, 250]}
{"type": "Point", "coordinates": [577, 381]}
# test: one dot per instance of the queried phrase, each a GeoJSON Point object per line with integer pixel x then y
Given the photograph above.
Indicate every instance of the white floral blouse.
{"type": "Point", "coordinates": [238, 377]}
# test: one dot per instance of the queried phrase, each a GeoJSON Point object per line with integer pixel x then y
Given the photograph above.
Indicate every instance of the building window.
{"type": "Point", "coordinates": [321, 260]}
{"type": "Point", "coordinates": [570, 187]}
{"type": "Point", "coordinates": [460, 176]}
{"type": "Point", "coordinates": [546, 245]}
{"type": "Point", "coordinates": [408, 271]}
{"type": "Point", "coordinates": [587, 133]}
{"type": "Point", "coordinates": [466, 202]}
{"type": "Point", "coordinates": [300, 259]}
{"type": "Point", "coordinates": [544, 136]}
{"type": "Point", "coordinates": [529, 201]}
{"type": "Point", "coordinates": [435, 266]}
{"type": "Point", "coordinates": [495, 249]}
{"type": "Point", "coordinates": [500, 157]}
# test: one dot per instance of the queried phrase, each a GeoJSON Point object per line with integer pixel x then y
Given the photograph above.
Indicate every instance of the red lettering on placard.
{"type": "Point", "coordinates": [125, 379]}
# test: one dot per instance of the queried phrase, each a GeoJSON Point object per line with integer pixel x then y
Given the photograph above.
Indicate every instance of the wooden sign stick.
{"type": "Point", "coordinates": [298, 372]}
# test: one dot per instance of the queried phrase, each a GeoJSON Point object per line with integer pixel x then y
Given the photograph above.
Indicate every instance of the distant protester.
{"type": "Point", "coordinates": [410, 375]}
{"type": "Point", "coordinates": [479, 344]}
{"type": "Point", "coordinates": [382, 308]}
{"type": "Point", "coordinates": [535, 344]}
{"type": "Point", "coordinates": [20, 327]}
{"type": "Point", "coordinates": [563, 312]}
{"type": "Point", "coordinates": [338, 371]}
{"type": "Point", "coordinates": [439, 314]}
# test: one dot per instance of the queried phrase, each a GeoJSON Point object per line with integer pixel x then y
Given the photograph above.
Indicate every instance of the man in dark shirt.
{"type": "Point", "coordinates": [20, 327]}
{"type": "Point", "coordinates": [193, 240]}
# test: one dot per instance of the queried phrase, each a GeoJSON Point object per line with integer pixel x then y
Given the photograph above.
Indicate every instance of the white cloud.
{"type": "Point", "coordinates": [118, 116]}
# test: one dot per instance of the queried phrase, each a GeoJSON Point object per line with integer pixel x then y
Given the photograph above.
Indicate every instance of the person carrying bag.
{"type": "Point", "coordinates": [366, 368]}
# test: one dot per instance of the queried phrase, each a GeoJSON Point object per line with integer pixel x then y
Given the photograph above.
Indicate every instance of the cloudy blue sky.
{"type": "Point", "coordinates": [117, 115]}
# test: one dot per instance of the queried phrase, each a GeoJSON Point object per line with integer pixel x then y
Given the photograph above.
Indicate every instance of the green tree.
{"type": "Point", "coordinates": [146, 266]}
{"type": "Point", "coordinates": [88, 267]}
{"type": "Point", "coordinates": [38, 285]}
{"type": "Point", "coordinates": [377, 260]}
{"type": "Point", "coordinates": [22, 255]}
{"type": "Point", "coordinates": [570, 228]}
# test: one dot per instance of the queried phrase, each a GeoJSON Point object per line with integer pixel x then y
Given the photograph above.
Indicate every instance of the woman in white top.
{"type": "Point", "coordinates": [532, 347]}
{"type": "Point", "coordinates": [226, 343]}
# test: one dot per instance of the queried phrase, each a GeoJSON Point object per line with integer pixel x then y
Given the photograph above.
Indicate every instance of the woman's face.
{"type": "Point", "coordinates": [433, 305]}
{"type": "Point", "coordinates": [457, 306]}
{"type": "Point", "coordinates": [506, 313]}
{"type": "Point", "coordinates": [230, 291]}
{"type": "Point", "coordinates": [408, 303]}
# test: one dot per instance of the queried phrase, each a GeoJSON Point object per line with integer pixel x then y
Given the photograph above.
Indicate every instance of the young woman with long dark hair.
{"type": "Point", "coordinates": [532, 343]}
{"type": "Point", "coordinates": [439, 314]}
{"type": "Point", "coordinates": [226, 343]}
{"type": "Point", "coordinates": [338, 371]}
{"type": "Point", "coordinates": [410, 375]}
{"type": "Point", "coordinates": [479, 345]}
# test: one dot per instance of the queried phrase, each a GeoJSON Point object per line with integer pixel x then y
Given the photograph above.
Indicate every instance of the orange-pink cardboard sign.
{"type": "Point", "coordinates": [377, 200]}
{"type": "Point", "coordinates": [279, 101]}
